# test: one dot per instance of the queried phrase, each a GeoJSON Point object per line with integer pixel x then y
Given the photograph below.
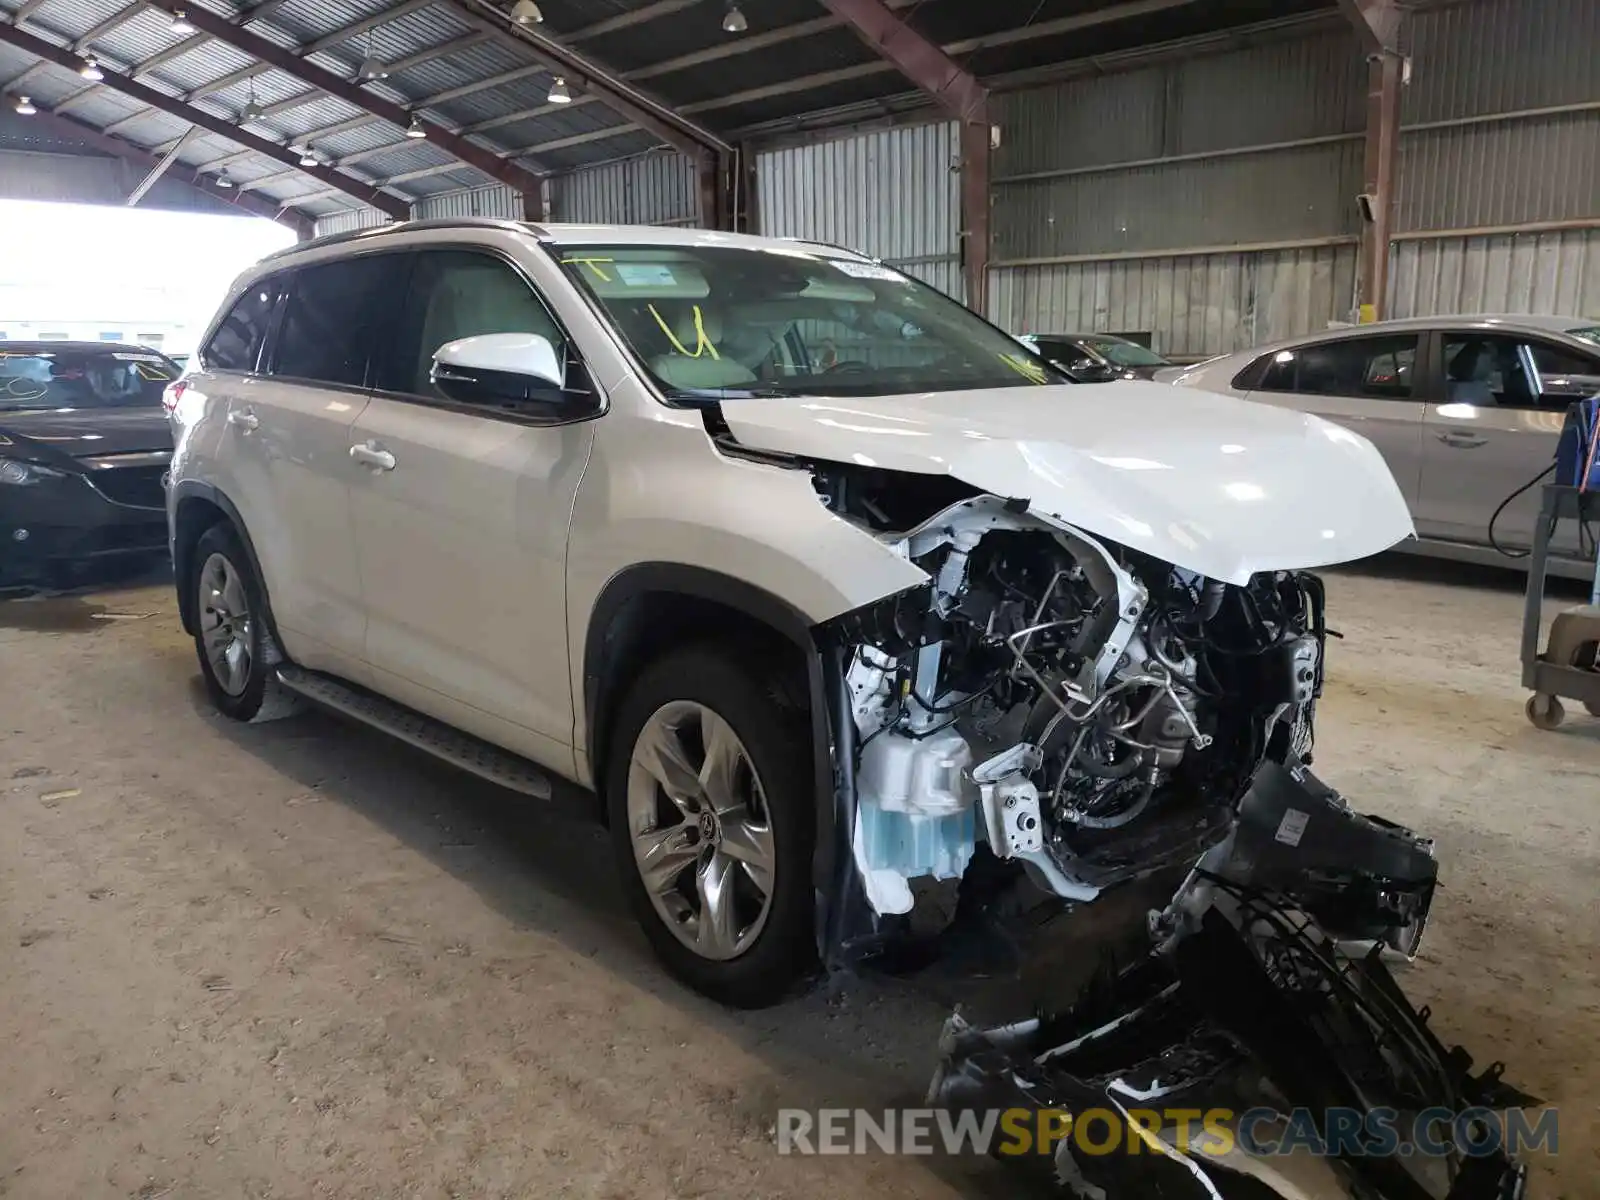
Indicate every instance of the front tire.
{"type": "Point", "coordinates": [709, 794]}
{"type": "Point", "coordinates": [238, 658]}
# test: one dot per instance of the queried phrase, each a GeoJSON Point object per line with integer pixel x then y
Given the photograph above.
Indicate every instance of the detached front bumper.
{"type": "Point", "coordinates": [83, 519]}
{"type": "Point", "coordinates": [1262, 1049]}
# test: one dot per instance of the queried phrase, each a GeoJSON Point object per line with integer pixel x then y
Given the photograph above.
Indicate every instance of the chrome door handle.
{"type": "Point", "coordinates": [244, 419]}
{"type": "Point", "coordinates": [369, 455]}
{"type": "Point", "coordinates": [1461, 441]}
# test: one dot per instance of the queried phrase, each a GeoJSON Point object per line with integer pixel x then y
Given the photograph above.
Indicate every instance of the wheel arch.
{"type": "Point", "coordinates": [650, 606]}
{"type": "Point", "coordinates": [197, 506]}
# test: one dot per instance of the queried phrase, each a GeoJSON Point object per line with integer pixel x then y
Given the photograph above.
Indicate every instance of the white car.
{"type": "Point", "coordinates": [681, 515]}
{"type": "Point", "coordinates": [824, 585]}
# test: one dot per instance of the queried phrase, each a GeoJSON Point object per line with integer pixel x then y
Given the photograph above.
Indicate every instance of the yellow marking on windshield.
{"type": "Point", "coordinates": [1030, 371]}
{"type": "Point", "coordinates": [594, 264]}
{"type": "Point", "coordinates": [702, 342]}
{"type": "Point", "coordinates": [152, 373]}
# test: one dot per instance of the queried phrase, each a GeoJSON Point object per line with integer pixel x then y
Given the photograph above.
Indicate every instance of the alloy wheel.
{"type": "Point", "coordinates": [700, 828]}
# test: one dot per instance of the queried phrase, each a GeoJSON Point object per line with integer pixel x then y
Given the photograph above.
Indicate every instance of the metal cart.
{"type": "Point", "coordinates": [1567, 664]}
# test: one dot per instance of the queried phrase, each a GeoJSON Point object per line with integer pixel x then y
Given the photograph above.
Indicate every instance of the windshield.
{"type": "Point", "coordinates": [82, 379]}
{"type": "Point", "coordinates": [714, 322]}
{"type": "Point", "coordinates": [1123, 353]}
{"type": "Point", "coordinates": [1590, 333]}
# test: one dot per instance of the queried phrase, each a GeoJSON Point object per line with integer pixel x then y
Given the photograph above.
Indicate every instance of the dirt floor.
{"type": "Point", "coordinates": [299, 960]}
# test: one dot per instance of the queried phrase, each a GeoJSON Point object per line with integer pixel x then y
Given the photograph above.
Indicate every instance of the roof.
{"type": "Point", "coordinates": [1475, 322]}
{"type": "Point", "coordinates": [461, 66]}
{"type": "Point", "coordinates": [58, 347]}
{"type": "Point", "coordinates": [558, 234]}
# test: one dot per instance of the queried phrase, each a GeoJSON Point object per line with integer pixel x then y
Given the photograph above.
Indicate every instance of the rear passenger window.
{"type": "Point", "coordinates": [331, 315]}
{"type": "Point", "coordinates": [1552, 360]}
{"type": "Point", "coordinates": [1380, 367]}
{"type": "Point", "coordinates": [236, 344]}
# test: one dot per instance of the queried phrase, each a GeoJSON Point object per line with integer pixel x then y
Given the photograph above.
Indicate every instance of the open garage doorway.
{"type": "Point", "coordinates": [96, 273]}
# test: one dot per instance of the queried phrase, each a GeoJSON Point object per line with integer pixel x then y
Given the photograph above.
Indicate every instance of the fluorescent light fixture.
{"type": "Point", "coordinates": [91, 69]}
{"type": "Point", "coordinates": [180, 23]}
{"type": "Point", "coordinates": [733, 20]}
{"type": "Point", "coordinates": [559, 92]}
{"type": "Point", "coordinates": [415, 129]}
{"type": "Point", "coordinates": [526, 12]}
{"type": "Point", "coordinates": [25, 106]}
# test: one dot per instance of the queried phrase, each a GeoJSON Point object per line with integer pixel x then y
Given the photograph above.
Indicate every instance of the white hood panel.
{"type": "Point", "coordinates": [1213, 484]}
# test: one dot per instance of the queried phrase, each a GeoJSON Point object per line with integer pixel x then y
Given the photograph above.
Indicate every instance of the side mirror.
{"type": "Point", "coordinates": [520, 372]}
{"type": "Point", "coordinates": [1087, 370]}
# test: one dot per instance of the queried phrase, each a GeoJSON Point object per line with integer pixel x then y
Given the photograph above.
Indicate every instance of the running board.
{"type": "Point", "coordinates": [460, 750]}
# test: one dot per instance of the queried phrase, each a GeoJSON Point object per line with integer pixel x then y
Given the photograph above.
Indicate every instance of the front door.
{"type": "Point", "coordinates": [461, 521]}
{"type": "Point", "coordinates": [1490, 432]}
{"type": "Point", "coordinates": [1367, 384]}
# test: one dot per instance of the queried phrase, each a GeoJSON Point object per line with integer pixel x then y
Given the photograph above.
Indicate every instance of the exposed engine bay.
{"type": "Point", "coordinates": [1089, 712]}
{"type": "Point", "coordinates": [1093, 715]}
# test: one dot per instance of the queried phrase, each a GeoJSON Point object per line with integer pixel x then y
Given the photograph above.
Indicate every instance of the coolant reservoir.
{"type": "Point", "coordinates": [923, 777]}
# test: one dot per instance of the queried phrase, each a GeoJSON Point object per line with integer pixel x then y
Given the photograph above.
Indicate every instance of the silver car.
{"type": "Point", "coordinates": [1465, 409]}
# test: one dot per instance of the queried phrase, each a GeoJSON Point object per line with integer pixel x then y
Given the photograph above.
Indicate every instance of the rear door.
{"type": "Point", "coordinates": [291, 464]}
{"type": "Point", "coordinates": [1490, 431]}
{"type": "Point", "coordinates": [461, 532]}
{"type": "Point", "coordinates": [1367, 384]}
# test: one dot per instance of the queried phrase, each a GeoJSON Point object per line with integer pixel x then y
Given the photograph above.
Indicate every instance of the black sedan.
{"type": "Point", "coordinates": [1096, 354]}
{"type": "Point", "coordinates": [84, 448]}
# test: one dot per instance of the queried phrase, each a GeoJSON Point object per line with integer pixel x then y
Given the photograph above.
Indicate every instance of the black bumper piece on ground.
{"type": "Point", "coordinates": [1254, 1002]}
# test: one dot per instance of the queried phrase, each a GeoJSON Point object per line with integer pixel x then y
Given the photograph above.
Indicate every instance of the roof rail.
{"type": "Point", "coordinates": [394, 227]}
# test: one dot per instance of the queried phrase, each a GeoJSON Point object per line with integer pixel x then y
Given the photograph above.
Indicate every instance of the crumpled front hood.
{"type": "Point", "coordinates": [1213, 484]}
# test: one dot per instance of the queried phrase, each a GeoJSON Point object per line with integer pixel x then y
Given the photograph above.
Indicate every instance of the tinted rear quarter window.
{"type": "Point", "coordinates": [1377, 367]}
{"type": "Point", "coordinates": [331, 315]}
{"type": "Point", "coordinates": [236, 344]}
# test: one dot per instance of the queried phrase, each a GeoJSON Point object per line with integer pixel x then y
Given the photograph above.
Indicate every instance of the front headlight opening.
{"type": "Point", "coordinates": [23, 474]}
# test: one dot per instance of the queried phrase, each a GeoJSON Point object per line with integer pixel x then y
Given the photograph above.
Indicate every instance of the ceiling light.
{"type": "Point", "coordinates": [415, 129]}
{"type": "Point", "coordinates": [526, 12]}
{"type": "Point", "coordinates": [223, 181]}
{"type": "Point", "coordinates": [25, 106]}
{"type": "Point", "coordinates": [253, 111]}
{"type": "Point", "coordinates": [91, 70]}
{"type": "Point", "coordinates": [308, 159]}
{"type": "Point", "coordinates": [372, 67]}
{"type": "Point", "coordinates": [733, 20]}
{"type": "Point", "coordinates": [180, 23]}
{"type": "Point", "coordinates": [559, 94]}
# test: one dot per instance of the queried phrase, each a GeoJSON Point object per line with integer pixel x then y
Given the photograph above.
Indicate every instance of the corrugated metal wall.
{"type": "Point", "coordinates": [1258, 145]}
{"type": "Point", "coordinates": [655, 189]}
{"type": "Point", "coordinates": [1556, 272]}
{"type": "Point", "coordinates": [1195, 305]}
{"type": "Point", "coordinates": [1502, 116]}
{"type": "Point", "coordinates": [892, 193]}
{"type": "Point", "coordinates": [349, 222]}
{"type": "Point", "coordinates": [496, 200]}
{"type": "Point", "coordinates": [1260, 148]}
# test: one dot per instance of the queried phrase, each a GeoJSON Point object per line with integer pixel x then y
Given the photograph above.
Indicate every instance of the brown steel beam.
{"type": "Point", "coordinates": [1381, 173]}
{"type": "Point", "coordinates": [140, 157]}
{"type": "Point", "coordinates": [1376, 22]}
{"type": "Point", "coordinates": [1377, 25]}
{"type": "Point", "coordinates": [144, 94]}
{"type": "Point", "coordinates": [662, 120]}
{"type": "Point", "coordinates": [959, 93]}
{"type": "Point", "coordinates": [490, 163]}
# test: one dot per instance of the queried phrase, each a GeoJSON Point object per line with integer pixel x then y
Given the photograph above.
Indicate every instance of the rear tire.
{"type": "Point", "coordinates": [238, 657]}
{"type": "Point", "coordinates": [709, 794]}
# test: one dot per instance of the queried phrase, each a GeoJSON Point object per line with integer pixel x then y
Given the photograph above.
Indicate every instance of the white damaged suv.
{"type": "Point", "coordinates": [822, 583]}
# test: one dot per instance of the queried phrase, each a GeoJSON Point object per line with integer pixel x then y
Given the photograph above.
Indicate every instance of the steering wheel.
{"type": "Point", "coordinates": [845, 364]}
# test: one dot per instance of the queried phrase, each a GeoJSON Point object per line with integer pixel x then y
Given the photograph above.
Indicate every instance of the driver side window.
{"type": "Point", "coordinates": [455, 294]}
